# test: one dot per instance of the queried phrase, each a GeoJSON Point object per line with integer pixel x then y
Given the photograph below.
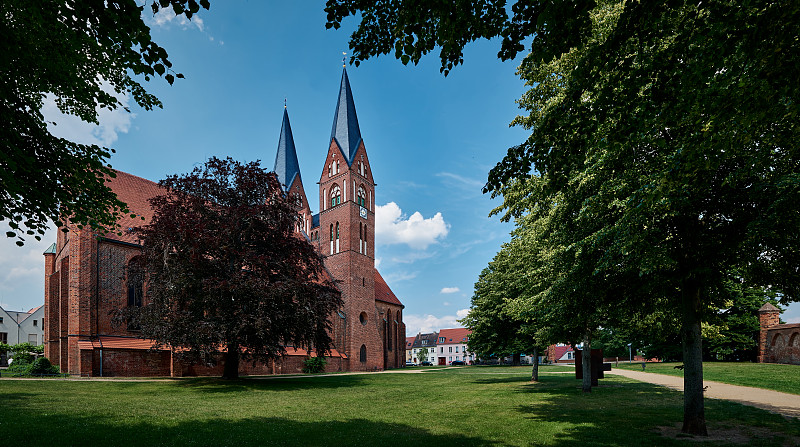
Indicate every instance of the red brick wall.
{"type": "Point", "coordinates": [783, 345]}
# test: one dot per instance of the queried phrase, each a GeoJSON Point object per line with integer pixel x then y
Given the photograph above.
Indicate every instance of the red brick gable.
{"type": "Point", "coordinates": [383, 292]}
{"type": "Point", "coordinates": [136, 193]}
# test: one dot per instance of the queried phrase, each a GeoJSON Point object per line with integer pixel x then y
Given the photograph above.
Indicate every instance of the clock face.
{"type": "Point", "coordinates": [363, 212]}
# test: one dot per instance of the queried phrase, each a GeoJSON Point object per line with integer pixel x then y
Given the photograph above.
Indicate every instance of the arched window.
{"type": "Point", "coordinates": [337, 167]}
{"type": "Point", "coordinates": [330, 169]}
{"type": "Point", "coordinates": [362, 196]}
{"type": "Point", "coordinates": [331, 239]}
{"type": "Point", "coordinates": [389, 330]}
{"type": "Point", "coordinates": [337, 237]}
{"type": "Point", "coordinates": [135, 283]}
{"type": "Point", "coordinates": [362, 354]}
{"type": "Point", "coordinates": [336, 195]}
{"type": "Point", "coordinates": [360, 236]}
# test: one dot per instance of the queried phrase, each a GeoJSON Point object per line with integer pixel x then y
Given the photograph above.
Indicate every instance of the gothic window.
{"type": "Point", "coordinates": [336, 195]}
{"type": "Point", "coordinates": [135, 282]}
{"type": "Point", "coordinates": [389, 330]}
{"type": "Point", "coordinates": [337, 167]}
{"type": "Point", "coordinates": [362, 196]}
{"type": "Point", "coordinates": [330, 169]}
{"type": "Point", "coordinates": [360, 237]}
{"type": "Point", "coordinates": [362, 355]}
{"type": "Point", "coordinates": [331, 239]}
{"type": "Point", "coordinates": [337, 237]}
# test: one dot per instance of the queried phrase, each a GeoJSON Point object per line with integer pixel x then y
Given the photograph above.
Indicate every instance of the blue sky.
{"type": "Point", "coordinates": [431, 140]}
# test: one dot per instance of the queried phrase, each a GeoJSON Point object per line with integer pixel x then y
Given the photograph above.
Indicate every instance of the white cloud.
{"type": "Point", "coordinates": [22, 270]}
{"type": "Point", "coordinates": [429, 323]}
{"type": "Point", "coordinates": [377, 262]}
{"type": "Point", "coordinates": [112, 122]}
{"type": "Point", "coordinates": [461, 181]}
{"type": "Point", "coordinates": [450, 290]}
{"type": "Point", "coordinates": [399, 276]}
{"type": "Point", "coordinates": [417, 232]}
{"type": "Point", "coordinates": [166, 17]}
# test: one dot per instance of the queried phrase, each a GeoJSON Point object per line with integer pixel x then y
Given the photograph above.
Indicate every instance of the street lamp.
{"type": "Point", "coordinates": [630, 353]}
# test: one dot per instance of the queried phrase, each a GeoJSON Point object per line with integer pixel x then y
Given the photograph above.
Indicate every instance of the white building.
{"type": "Point", "coordinates": [22, 327]}
{"type": "Point", "coordinates": [422, 342]}
{"type": "Point", "coordinates": [451, 346]}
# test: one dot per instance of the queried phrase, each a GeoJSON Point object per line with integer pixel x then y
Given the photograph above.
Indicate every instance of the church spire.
{"type": "Point", "coordinates": [286, 165]}
{"type": "Point", "coordinates": [345, 130]}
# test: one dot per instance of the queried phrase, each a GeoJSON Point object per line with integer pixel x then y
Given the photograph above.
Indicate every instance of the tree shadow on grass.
{"type": "Point", "coordinates": [626, 413]}
{"type": "Point", "coordinates": [257, 431]}
{"type": "Point", "coordinates": [217, 385]}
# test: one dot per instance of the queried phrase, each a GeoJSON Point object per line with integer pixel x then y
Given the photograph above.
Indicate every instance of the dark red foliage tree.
{"type": "Point", "coordinates": [225, 270]}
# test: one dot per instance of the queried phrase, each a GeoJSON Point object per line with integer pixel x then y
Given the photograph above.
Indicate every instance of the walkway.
{"type": "Point", "coordinates": [774, 401]}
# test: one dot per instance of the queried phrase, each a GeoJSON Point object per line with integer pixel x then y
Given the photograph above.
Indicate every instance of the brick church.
{"type": "Point", "coordinates": [86, 274]}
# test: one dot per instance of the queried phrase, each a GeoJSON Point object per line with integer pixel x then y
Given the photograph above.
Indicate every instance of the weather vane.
{"type": "Point", "coordinates": [344, 57]}
{"type": "Point", "coordinates": [284, 102]}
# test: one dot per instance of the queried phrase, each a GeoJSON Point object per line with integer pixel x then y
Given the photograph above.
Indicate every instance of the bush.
{"type": "Point", "coordinates": [312, 365]}
{"type": "Point", "coordinates": [22, 367]}
{"type": "Point", "coordinates": [43, 367]}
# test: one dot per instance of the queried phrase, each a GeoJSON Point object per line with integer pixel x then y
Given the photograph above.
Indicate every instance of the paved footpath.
{"type": "Point", "coordinates": [774, 401]}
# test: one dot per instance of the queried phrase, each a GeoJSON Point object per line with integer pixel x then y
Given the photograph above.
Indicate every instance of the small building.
{"type": "Point", "coordinates": [560, 353]}
{"type": "Point", "coordinates": [777, 343]}
{"type": "Point", "coordinates": [20, 327]}
{"type": "Point", "coordinates": [451, 346]}
{"type": "Point", "coordinates": [420, 342]}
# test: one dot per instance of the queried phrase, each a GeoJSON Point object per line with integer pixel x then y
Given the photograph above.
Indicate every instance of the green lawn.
{"type": "Point", "coordinates": [770, 376]}
{"type": "Point", "coordinates": [469, 406]}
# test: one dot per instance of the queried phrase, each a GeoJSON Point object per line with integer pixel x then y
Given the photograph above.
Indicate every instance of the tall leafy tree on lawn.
{"type": "Point", "coordinates": [685, 113]}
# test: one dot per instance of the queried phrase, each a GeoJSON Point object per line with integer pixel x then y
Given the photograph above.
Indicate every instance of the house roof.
{"type": "Point", "coordinates": [286, 165]}
{"type": "Point", "coordinates": [345, 130]}
{"type": "Point", "coordinates": [457, 335]}
{"type": "Point", "coordinates": [136, 192]}
{"type": "Point", "coordinates": [430, 338]}
{"type": "Point", "coordinates": [559, 351]}
{"type": "Point", "coordinates": [383, 292]}
{"type": "Point", "coordinates": [409, 341]}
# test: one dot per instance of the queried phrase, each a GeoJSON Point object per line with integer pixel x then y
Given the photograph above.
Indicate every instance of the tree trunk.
{"type": "Point", "coordinates": [694, 419]}
{"type": "Point", "coordinates": [535, 370]}
{"type": "Point", "coordinates": [231, 368]}
{"type": "Point", "coordinates": [515, 359]}
{"type": "Point", "coordinates": [586, 363]}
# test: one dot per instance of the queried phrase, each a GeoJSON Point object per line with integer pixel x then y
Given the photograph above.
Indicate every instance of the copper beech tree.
{"type": "Point", "coordinates": [226, 272]}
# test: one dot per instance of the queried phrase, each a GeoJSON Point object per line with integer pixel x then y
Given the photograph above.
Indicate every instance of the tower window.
{"type": "Point", "coordinates": [336, 195]}
{"type": "Point", "coordinates": [331, 238]}
{"type": "Point", "coordinates": [362, 317]}
{"type": "Point", "coordinates": [362, 354]}
{"type": "Point", "coordinates": [362, 196]}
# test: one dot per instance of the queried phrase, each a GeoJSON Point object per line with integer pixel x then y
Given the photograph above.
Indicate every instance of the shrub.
{"type": "Point", "coordinates": [43, 367]}
{"type": "Point", "coordinates": [313, 365]}
{"type": "Point", "coordinates": [21, 367]}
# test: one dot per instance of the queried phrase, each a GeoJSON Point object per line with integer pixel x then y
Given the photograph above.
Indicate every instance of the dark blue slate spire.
{"type": "Point", "coordinates": [345, 122]}
{"type": "Point", "coordinates": [286, 165]}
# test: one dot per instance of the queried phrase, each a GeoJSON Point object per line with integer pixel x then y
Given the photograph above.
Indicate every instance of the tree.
{"type": "Point", "coordinates": [678, 120]}
{"type": "Point", "coordinates": [422, 355]}
{"type": "Point", "coordinates": [85, 54]}
{"type": "Point", "coordinates": [225, 270]}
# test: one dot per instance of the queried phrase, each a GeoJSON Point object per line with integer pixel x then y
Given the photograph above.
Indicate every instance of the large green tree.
{"type": "Point", "coordinates": [226, 272]}
{"type": "Point", "coordinates": [74, 50]}
{"type": "Point", "coordinates": [681, 119]}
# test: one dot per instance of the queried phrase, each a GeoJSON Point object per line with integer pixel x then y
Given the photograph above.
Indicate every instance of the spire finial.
{"type": "Point", "coordinates": [284, 102]}
{"type": "Point", "coordinates": [344, 57]}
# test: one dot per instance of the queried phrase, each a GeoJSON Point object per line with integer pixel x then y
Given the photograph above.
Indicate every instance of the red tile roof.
{"type": "Point", "coordinates": [383, 292]}
{"type": "Point", "coordinates": [457, 335]}
{"type": "Point", "coordinates": [559, 351]}
{"type": "Point", "coordinates": [409, 341]}
{"type": "Point", "coordinates": [134, 191]}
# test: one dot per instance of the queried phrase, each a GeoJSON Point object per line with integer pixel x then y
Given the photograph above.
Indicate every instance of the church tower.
{"type": "Point", "coordinates": [288, 170]}
{"type": "Point", "coordinates": [347, 233]}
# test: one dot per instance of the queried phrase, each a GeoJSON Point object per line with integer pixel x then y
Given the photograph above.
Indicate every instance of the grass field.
{"type": "Point", "coordinates": [470, 406]}
{"type": "Point", "coordinates": [770, 376]}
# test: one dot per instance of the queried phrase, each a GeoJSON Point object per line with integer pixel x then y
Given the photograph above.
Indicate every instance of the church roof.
{"type": "Point", "coordinates": [136, 193]}
{"type": "Point", "coordinates": [383, 292]}
{"type": "Point", "coordinates": [51, 250]}
{"type": "Point", "coordinates": [286, 165]}
{"type": "Point", "coordinates": [345, 130]}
